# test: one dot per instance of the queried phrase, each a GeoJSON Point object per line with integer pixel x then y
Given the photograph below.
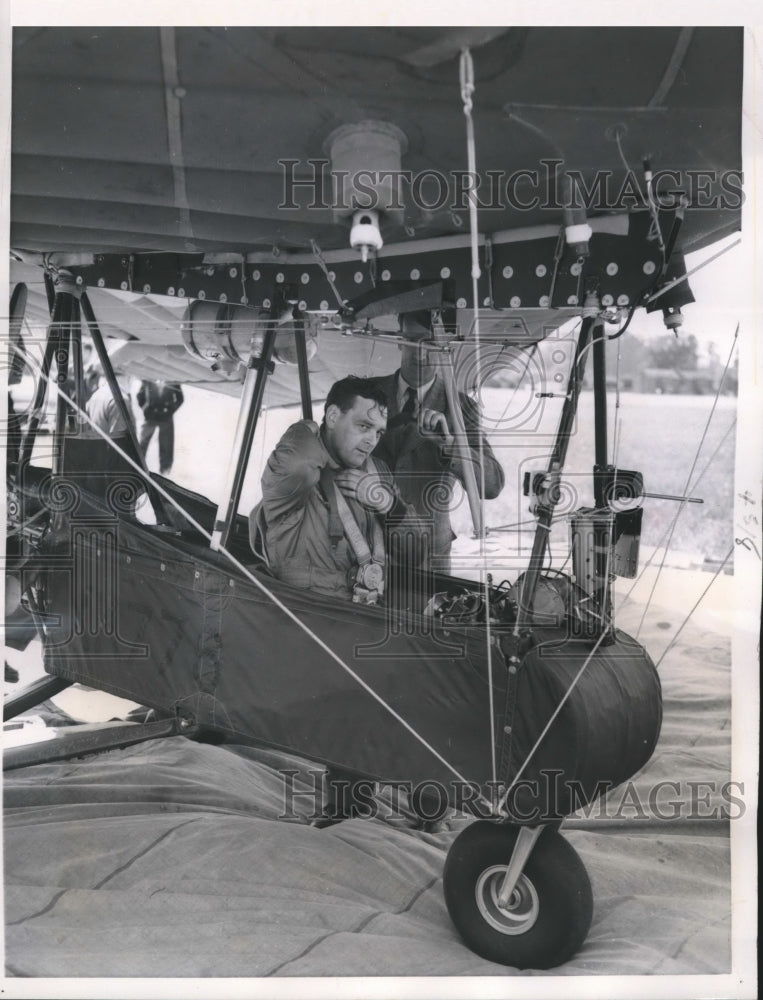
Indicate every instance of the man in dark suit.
{"type": "Point", "coordinates": [419, 445]}
{"type": "Point", "coordinates": [159, 401]}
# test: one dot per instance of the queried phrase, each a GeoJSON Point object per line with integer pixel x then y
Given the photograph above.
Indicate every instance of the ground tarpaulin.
{"type": "Point", "coordinates": [169, 859]}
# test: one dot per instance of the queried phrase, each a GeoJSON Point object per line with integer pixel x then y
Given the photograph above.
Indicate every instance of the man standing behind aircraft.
{"type": "Point", "coordinates": [159, 401]}
{"type": "Point", "coordinates": [419, 445]}
{"type": "Point", "coordinates": [331, 516]}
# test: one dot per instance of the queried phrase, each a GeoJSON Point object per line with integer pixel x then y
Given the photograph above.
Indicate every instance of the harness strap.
{"type": "Point", "coordinates": [355, 536]}
{"type": "Point", "coordinates": [342, 522]}
{"type": "Point", "coordinates": [378, 534]}
{"type": "Point", "coordinates": [328, 487]}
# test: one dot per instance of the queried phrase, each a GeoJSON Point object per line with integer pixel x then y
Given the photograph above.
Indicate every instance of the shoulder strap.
{"type": "Point", "coordinates": [378, 534]}
{"type": "Point", "coordinates": [329, 490]}
{"type": "Point", "coordinates": [354, 535]}
{"type": "Point", "coordinates": [342, 521]}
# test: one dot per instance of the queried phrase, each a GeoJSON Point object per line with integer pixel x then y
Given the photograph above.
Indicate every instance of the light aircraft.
{"type": "Point", "coordinates": [309, 199]}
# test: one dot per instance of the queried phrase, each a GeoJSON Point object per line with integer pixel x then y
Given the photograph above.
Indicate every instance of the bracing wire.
{"type": "Point", "coordinates": [685, 493]}
{"type": "Point", "coordinates": [530, 355]}
{"type": "Point", "coordinates": [322, 264]}
{"type": "Point", "coordinates": [692, 488]}
{"type": "Point", "coordinates": [554, 714]}
{"type": "Point", "coordinates": [685, 277]}
{"type": "Point", "coordinates": [466, 80]}
{"type": "Point", "coordinates": [694, 607]}
{"type": "Point", "coordinates": [622, 154]}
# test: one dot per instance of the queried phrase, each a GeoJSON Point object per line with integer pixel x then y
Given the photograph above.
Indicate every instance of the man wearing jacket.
{"type": "Point", "coordinates": [419, 446]}
{"type": "Point", "coordinates": [158, 402]}
{"type": "Point", "coordinates": [331, 516]}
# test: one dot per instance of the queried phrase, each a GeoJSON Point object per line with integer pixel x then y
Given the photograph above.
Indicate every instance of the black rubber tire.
{"type": "Point", "coordinates": [551, 910]}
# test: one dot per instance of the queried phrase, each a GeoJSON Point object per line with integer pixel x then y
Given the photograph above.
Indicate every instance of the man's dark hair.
{"type": "Point", "coordinates": [344, 393]}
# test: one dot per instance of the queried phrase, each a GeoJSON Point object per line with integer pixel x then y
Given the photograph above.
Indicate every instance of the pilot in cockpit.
{"type": "Point", "coordinates": [331, 518]}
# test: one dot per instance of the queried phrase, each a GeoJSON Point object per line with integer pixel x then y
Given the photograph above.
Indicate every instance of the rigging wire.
{"type": "Point", "coordinates": [322, 264]}
{"type": "Point", "coordinates": [684, 277]}
{"type": "Point", "coordinates": [510, 527]}
{"type": "Point", "coordinates": [623, 160]}
{"type": "Point", "coordinates": [685, 493]}
{"type": "Point", "coordinates": [30, 520]}
{"type": "Point", "coordinates": [244, 296]}
{"type": "Point", "coordinates": [693, 489]}
{"type": "Point", "coordinates": [655, 230]}
{"type": "Point", "coordinates": [531, 753]}
{"type": "Point", "coordinates": [466, 81]}
{"type": "Point", "coordinates": [369, 362]}
{"type": "Point", "coordinates": [249, 575]}
{"type": "Point", "coordinates": [567, 559]}
{"type": "Point", "coordinates": [530, 355]}
{"type": "Point", "coordinates": [694, 608]}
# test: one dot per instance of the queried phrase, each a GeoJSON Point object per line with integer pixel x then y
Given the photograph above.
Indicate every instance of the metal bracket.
{"type": "Point", "coordinates": [256, 363]}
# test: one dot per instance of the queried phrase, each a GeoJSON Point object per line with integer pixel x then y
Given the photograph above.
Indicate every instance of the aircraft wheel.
{"type": "Point", "coordinates": [549, 913]}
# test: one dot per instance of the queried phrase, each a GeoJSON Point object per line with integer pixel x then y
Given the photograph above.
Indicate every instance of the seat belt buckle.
{"type": "Point", "coordinates": [367, 583]}
{"type": "Point", "coordinates": [362, 596]}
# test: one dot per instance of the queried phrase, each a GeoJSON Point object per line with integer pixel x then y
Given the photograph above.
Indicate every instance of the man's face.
{"type": "Point", "coordinates": [353, 435]}
{"type": "Point", "coordinates": [416, 365]}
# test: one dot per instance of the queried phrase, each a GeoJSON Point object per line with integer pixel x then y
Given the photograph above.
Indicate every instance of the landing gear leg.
{"type": "Point", "coordinates": [518, 896]}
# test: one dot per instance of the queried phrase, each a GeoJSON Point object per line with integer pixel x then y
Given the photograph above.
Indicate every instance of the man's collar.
{"type": "Point", "coordinates": [332, 464]}
{"type": "Point", "coordinates": [403, 386]}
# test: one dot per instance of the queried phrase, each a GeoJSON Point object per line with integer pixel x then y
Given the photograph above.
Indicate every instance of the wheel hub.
{"type": "Point", "coordinates": [521, 912]}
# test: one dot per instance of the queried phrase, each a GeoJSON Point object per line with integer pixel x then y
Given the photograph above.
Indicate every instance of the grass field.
{"type": "Point", "coordinates": [659, 437]}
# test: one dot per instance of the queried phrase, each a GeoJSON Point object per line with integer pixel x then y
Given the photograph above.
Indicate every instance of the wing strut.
{"type": "Point", "coordinates": [126, 415]}
{"type": "Point", "coordinates": [41, 392]}
{"type": "Point", "coordinates": [258, 368]}
{"type": "Point", "coordinates": [34, 694]}
{"type": "Point", "coordinates": [550, 496]}
{"type": "Point", "coordinates": [300, 341]}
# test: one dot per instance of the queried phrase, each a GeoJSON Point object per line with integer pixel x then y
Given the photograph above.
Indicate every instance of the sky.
{"type": "Point", "coordinates": [721, 299]}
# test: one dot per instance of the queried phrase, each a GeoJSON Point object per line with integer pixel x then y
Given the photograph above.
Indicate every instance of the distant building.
{"type": "Point", "coordinates": [628, 369]}
{"type": "Point", "coordinates": [672, 380]}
